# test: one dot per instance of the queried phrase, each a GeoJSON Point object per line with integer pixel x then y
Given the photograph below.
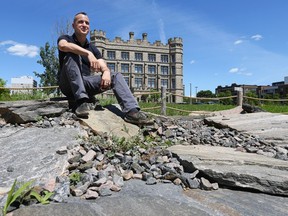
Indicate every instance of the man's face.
{"type": "Point", "coordinates": [81, 24]}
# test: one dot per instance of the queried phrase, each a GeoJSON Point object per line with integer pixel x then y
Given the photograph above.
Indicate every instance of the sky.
{"type": "Point", "coordinates": [224, 41]}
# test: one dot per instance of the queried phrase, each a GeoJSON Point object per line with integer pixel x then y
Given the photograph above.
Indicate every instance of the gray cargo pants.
{"type": "Point", "coordinates": [75, 85]}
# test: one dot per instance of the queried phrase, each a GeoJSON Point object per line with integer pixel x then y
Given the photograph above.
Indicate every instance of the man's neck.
{"type": "Point", "coordinates": [81, 39]}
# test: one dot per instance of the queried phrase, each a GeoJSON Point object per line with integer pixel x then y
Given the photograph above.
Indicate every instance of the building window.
{"type": "Point", "coordinates": [125, 55]}
{"type": "Point", "coordinates": [164, 58]}
{"type": "Point", "coordinates": [173, 84]}
{"type": "Point", "coordinates": [125, 68]}
{"type": "Point", "coordinates": [173, 59]}
{"type": "Point", "coordinates": [151, 69]}
{"type": "Point", "coordinates": [164, 70]}
{"type": "Point", "coordinates": [126, 79]}
{"type": "Point", "coordinates": [111, 66]}
{"type": "Point", "coordinates": [110, 54]}
{"type": "Point", "coordinates": [164, 83]}
{"type": "Point", "coordinates": [151, 57]}
{"type": "Point", "coordinates": [138, 57]}
{"type": "Point", "coordinates": [138, 68]}
{"type": "Point", "coordinates": [138, 82]}
{"type": "Point", "coordinates": [151, 82]}
{"type": "Point", "coordinates": [173, 70]}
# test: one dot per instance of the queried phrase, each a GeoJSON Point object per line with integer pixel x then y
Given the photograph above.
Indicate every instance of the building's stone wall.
{"type": "Point", "coordinates": [173, 50]}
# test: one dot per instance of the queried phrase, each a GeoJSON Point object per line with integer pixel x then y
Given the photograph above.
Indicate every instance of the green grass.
{"type": "Point", "coordinates": [186, 107]}
{"type": "Point", "coordinates": [275, 108]}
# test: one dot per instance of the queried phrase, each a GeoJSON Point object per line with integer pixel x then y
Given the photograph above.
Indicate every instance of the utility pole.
{"type": "Point", "coordinates": [190, 93]}
{"type": "Point", "coordinates": [196, 92]}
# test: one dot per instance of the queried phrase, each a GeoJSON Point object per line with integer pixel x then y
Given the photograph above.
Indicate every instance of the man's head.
{"type": "Point", "coordinates": [81, 24]}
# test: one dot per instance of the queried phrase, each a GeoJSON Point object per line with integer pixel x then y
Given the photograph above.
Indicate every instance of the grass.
{"type": "Point", "coordinates": [273, 108]}
{"type": "Point", "coordinates": [186, 107]}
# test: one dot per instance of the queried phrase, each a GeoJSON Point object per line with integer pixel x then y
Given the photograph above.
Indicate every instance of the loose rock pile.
{"type": "Point", "coordinates": [101, 164]}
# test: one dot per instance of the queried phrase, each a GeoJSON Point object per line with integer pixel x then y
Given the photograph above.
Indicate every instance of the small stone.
{"type": "Point", "coordinates": [128, 174]}
{"type": "Point", "coordinates": [137, 176]}
{"type": "Point", "coordinates": [115, 188]}
{"type": "Point", "coordinates": [205, 184]}
{"type": "Point", "coordinates": [215, 186]}
{"type": "Point", "coordinates": [10, 169]}
{"type": "Point", "coordinates": [90, 194]}
{"type": "Point", "coordinates": [89, 156]}
{"type": "Point", "coordinates": [177, 181]}
{"type": "Point", "coordinates": [151, 181]}
{"type": "Point", "coordinates": [62, 150]}
{"type": "Point", "coordinates": [104, 191]}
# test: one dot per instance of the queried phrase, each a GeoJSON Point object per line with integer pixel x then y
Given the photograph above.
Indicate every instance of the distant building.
{"type": "Point", "coordinates": [261, 91]}
{"type": "Point", "coordinates": [145, 66]}
{"type": "Point", "coordinates": [22, 82]}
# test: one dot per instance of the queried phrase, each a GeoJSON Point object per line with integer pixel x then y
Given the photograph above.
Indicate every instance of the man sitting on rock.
{"type": "Point", "coordinates": [78, 58]}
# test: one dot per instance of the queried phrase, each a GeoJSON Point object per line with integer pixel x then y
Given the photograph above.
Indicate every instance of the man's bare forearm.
{"type": "Point", "coordinates": [65, 46]}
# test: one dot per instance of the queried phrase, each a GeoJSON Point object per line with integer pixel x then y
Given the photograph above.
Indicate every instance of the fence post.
{"type": "Point", "coordinates": [239, 97]}
{"type": "Point", "coordinates": [163, 100]}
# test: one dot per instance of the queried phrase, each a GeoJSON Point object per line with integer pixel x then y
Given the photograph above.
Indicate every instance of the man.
{"type": "Point", "coordinates": [77, 59]}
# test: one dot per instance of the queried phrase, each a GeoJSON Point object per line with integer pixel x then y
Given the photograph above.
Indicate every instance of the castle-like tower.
{"type": "Point", "coordinates": [145, 66]}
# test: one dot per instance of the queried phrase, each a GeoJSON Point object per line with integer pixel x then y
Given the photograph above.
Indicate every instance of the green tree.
{"type": "Point", "coordinates": [252, 94]}
{"type": "Point", "coordinates": [49, 60]}
{"type": "Point", "coordinates": [205, 94]}
{"type": "Point", "coordinates": [4, 93]}
{"type": "Point", "coordinates": [226, 101]}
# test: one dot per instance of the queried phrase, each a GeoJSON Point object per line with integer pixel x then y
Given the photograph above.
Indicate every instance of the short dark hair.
{"type": "Point", "coordinates": [82, 12]}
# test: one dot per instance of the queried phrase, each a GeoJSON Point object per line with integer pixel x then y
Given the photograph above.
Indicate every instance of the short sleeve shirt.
{"type": "Point", "coordinates": [84, 59]}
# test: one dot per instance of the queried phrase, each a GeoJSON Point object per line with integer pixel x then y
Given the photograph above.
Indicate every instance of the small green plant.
{"type": "Point", "coordinates": [16, 194]}
{"type": "Point", "coordinates": [75, 178]}
{"type": "Point", "coordinates": [44, 199]}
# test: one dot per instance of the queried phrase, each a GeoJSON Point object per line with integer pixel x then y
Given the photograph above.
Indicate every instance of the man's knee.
{"type": "Point", "coordinates": [71, 58]}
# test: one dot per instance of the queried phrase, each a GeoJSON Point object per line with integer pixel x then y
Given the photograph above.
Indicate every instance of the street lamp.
{"type": "Point", "coordinates": [196, 92]}
{"type": "Point", "coordinates": [190, 93]}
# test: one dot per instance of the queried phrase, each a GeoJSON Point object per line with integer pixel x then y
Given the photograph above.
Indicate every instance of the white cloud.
{"type": "Point", "coordinates": [257, 37]}
{"type": "Point", "coordinates": [192, 62]}
{"type": "Point", "coordinates": [238, 42]}
{"type": "Point", "coordinates": [240, 71]}
{"type": "Point", "coordinates": [234, 70]}
{"type": "Point", "coordinates": [19, 49]}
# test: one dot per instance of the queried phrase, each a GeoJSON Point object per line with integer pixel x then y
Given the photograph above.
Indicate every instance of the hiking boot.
{"type": "Point", "coordinates": [94, 103]}
{"type": "Point", "coordinates": [138, 118]}
{"type": "Point", "coordinates": [82, 110]}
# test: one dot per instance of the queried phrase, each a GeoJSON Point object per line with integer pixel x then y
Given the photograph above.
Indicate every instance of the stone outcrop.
{"type": "Point", "coordinates": [19, 112]}
{"type": "Point", "coordinates": [140, 163]}
{"type": "Point", "coordinates": [233, 168]}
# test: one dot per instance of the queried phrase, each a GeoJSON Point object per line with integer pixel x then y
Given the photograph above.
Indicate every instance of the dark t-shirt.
{"type": "Point", "coordinates": [85, 61]}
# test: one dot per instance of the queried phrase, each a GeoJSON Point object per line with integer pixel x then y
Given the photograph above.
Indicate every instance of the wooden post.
{"type": "Point", "coordinates": [240, 97]}
{"type": "Point", "coordinates": [163, 100]}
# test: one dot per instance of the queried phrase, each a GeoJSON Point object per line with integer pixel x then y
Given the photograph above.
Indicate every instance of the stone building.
{"type": "Point", "coordinates": [22, 82]}
{"type": "Point", "coordinates": [145, 66]}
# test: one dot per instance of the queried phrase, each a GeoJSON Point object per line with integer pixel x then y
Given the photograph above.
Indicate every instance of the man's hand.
{"type": "Point", "coordinates": [106, 80]}
{"type": "Point", "coordinates": [94, 63]}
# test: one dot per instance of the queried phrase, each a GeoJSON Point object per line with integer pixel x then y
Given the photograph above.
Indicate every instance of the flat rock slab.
{"type": "Point", "coordinates": [269, 126]}
{"type": "Point", "coordinates": [110, 121]}
{"type": "Point", "coordinates": [30, 153]}
{"type": "Point", "coordinates": [137, 198]}
{"type": "Point", "coordinates": [236, 169]}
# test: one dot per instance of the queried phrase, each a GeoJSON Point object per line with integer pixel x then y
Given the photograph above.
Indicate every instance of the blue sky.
{"type": "Point", "coordinates": [225, 41]}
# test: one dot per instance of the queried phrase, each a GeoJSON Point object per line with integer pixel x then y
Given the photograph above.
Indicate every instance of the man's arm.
{"type": "Point", "coordinates": [66, 46]}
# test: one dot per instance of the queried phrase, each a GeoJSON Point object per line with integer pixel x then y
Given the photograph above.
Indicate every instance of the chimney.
{"type": "Point", "coordinates": [144, 36]}
{"type": "Point", "coordinates": [131, 35]}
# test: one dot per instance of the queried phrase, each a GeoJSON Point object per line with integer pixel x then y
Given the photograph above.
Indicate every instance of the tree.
{"type": "Point", "coordinates": [49, 60]}
{"type": "Point", "coordinates": [205, 94]}
{"type": "Point", "coordinates": [226, 101]}
{"type": "Point", "coordinates": [4, 93]}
